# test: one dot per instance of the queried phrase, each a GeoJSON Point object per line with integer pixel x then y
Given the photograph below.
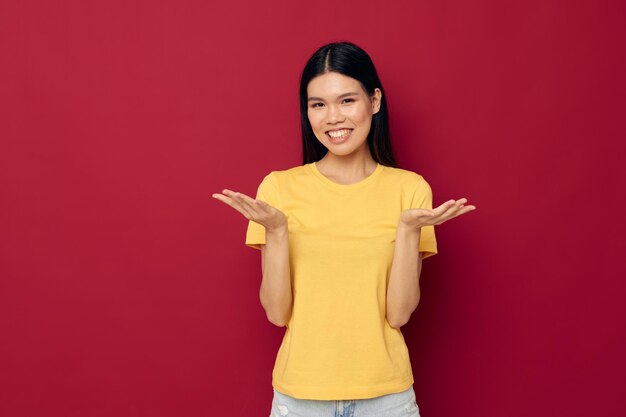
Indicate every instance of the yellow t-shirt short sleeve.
{"type": "Point", "coordinates": [338, 343]}
{"type": "Point", "coordinates": [423, 198]}
{"type": "Point", "coordinates": [255, 234]}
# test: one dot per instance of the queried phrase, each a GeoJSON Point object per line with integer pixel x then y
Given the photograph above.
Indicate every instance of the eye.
{"type": "Point", "coordinates": [348, 99]}
{"type": "Point", "coordinates": [315, 104]}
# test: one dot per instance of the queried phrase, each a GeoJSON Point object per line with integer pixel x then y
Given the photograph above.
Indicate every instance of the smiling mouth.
{"type": "Point", "coordinates": [339, 134]}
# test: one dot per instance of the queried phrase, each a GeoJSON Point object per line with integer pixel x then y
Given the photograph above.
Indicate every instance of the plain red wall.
{"type": "Point", "coordinates": [126, 290]}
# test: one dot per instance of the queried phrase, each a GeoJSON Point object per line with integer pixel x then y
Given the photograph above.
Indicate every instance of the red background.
{"type": "Point", "coordinates": [126, 290]}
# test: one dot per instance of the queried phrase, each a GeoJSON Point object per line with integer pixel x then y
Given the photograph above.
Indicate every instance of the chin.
{"type": "Point", "coordinates": [342, 153]}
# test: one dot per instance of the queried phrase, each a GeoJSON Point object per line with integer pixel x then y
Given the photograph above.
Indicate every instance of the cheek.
{"type": "Point", "coordinates": [361, 115]}
{"type": "Point", "coordinates": [314, 119]}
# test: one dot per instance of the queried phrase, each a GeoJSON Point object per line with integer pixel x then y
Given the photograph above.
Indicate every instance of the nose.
{"type": "Point", "coordinates": [334, 114]}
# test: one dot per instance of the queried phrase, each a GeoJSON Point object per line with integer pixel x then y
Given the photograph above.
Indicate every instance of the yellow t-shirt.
{"type": "Point", "coordinates": [338, 344]}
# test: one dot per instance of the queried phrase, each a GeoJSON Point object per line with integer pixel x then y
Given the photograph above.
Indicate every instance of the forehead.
{"type": "Point", "coordinates": [332, 84]}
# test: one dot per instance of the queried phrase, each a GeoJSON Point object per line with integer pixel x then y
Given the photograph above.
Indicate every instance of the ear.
{"type": "Point", "coordinates": [376, 100]}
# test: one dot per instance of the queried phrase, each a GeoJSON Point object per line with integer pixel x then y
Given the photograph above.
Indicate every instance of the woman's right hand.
{"type": "Point", "coordinates": [256, 210]}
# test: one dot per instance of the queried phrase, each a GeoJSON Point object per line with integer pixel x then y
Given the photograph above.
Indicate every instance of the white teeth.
{"type": "Point", "coordinates": [339, 133]}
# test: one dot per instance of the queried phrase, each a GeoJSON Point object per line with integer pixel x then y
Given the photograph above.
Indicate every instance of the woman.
{"type": "Point", "coordinates": [342, 238]}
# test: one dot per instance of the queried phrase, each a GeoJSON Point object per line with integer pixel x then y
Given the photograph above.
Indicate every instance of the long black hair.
{"type": "Point", "coordinates": [348, 59]}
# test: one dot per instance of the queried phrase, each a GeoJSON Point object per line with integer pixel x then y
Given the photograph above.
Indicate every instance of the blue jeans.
{"type": "Point", "coordinates": [400, 404]}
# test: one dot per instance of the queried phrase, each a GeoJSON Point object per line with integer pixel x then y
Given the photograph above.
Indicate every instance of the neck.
{"type": "Point", "coordinates": [347, 169]}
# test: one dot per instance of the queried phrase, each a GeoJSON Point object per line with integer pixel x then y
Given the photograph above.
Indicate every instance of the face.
{"type": "Point", "coordinates": [340, 112]}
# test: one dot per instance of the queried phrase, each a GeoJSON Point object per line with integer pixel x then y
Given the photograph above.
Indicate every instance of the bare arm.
{"type": "Point", "coordinates": [275, 293]}
{"type": "Point", "coordinates": [403, 291]}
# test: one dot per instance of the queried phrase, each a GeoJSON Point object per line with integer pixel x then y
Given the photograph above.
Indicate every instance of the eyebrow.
{"type": "Point", "coordinates": [343, 95]}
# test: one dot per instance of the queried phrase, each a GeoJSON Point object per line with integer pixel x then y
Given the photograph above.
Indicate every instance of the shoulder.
{"type": "Point", "coordinates": [278, 179]}
{"type": "Point", "coordinates": [406, 178]}
{"type": "Point", "coordinates": [295, 170]}
{"type": "Point", "coordinates": [286, 174]}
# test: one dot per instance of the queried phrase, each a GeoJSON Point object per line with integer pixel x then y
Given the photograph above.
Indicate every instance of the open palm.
{"type": "Point", "coordinates": [256, 210]}
{"type": "Point", "coordinates": [419, 217]}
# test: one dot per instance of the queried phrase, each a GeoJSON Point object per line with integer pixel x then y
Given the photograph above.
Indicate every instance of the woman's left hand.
{"type": "Point", "coordinates": [419, 217]}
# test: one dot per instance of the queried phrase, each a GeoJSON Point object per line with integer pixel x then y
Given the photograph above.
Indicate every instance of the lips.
{"type": "Point", "coordinates": [341, 135]}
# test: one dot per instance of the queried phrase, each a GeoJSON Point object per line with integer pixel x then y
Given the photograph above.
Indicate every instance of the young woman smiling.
{"type": "Point", "coordinates": [342, 239]}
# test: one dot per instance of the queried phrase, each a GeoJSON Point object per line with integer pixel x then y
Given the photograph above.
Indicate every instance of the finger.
{"type": "Point", "coordinates": [249, 211]}
{"type": "Point", "coordinates": [240, 195]}
{"type": "Point", "coordinates": [452, 214]}
{"type": "Point", "coordinates": [448, 210]}
{"type": "Point", "coordinates": [459, 211]}
{"type": "Point", "coordinates": [236, 202]}
{"type": "Point", "coordinates": [443, 207]}
{"type": "Point", "coordinates": [252, 206]}
{"type": "Point", "coordinates": [460, 203]}
{"type": "Point", "coordinates": [467, 209]}
{"type": "Point", "coordinates": [457, 204]}
{"type": "Point", "coordinates": [223, 198]}
{"type": "Point", "coordinates": [256, 206]}
{"type": "Point", "coordinates": [263, 205]}
{"type": "Point", "coordinates": [233, 202]}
